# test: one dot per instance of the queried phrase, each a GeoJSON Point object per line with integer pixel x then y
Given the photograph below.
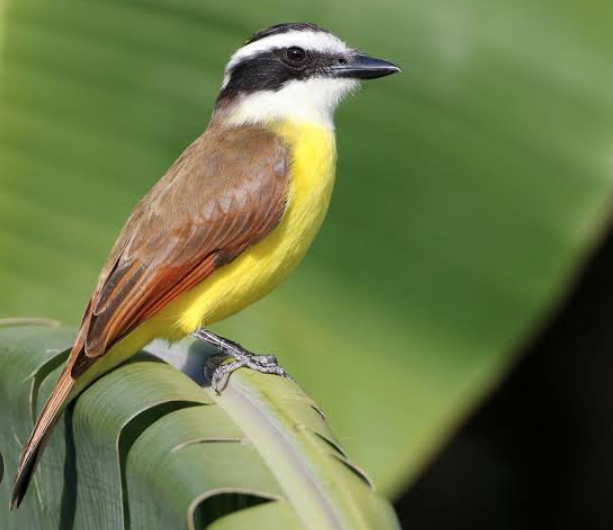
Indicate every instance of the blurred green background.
{"type": "Point", "coordinates": [470, 188]}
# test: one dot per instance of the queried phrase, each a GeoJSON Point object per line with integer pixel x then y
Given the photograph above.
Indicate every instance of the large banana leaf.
{"type": "Point", "coordinates": [470, 187]}
{"type": "Point", "coordinates": [146, 447]}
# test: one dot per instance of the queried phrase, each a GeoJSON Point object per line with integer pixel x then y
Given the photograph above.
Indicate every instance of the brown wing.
{"type": "Point", "coordinates": [226, 192]}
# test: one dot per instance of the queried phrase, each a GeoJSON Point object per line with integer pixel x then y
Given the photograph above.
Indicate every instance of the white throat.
{"type": "Point", "coordinates": [312, 101]}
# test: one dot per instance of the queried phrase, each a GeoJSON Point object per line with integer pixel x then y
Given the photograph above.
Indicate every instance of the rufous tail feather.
{"type": "Point", "coordinates": [42, 430]}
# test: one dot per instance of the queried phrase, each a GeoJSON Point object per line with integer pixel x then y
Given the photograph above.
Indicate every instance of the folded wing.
{"type": "Point", "coordinates": [225, 193]}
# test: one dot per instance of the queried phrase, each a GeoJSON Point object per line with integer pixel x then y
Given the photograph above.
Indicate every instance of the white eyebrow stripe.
{"type": "Point", "coordinates": [309, 40]}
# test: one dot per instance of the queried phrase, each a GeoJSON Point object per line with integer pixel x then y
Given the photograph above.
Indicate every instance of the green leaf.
{"type": "Point", "coordinates": [146, 447]}
{"type": "Point", "coordinates": [470, 187]}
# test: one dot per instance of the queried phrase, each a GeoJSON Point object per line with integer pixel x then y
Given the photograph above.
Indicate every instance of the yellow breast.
{"type": "Point", "coordinates": [261, 268]}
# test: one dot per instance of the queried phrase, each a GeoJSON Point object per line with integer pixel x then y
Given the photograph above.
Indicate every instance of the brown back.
{"type": "Point", "coordinates": [226, 192]}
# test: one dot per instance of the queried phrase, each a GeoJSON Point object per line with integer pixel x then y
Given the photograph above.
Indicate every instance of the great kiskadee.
{"type": "Point", "coordinates": [228, 222]}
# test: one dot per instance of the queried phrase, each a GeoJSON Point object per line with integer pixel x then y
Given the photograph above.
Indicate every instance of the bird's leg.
{"type": "Point", "coordinates": [264, 364]}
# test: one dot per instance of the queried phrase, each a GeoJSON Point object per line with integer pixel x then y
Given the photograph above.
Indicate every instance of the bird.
{"type": "Point", "coordinates": [228, 222]}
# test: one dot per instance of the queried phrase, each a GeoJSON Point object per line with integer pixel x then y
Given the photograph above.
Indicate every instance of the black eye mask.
{"type": "Point", "coordinates": [272, 69]}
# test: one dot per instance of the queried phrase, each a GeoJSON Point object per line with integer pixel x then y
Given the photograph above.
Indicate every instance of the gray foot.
{"type": "Point", "coordinates": [264, 364]}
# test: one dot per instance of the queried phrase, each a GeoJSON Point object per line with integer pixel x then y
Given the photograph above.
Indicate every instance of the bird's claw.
{"type": "Point", "coordinates": [264, 364]}
{"type": "Point", "coordinates": [216, 370]}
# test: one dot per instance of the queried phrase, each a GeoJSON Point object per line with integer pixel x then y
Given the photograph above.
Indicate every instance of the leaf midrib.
{"type": "Point", "coordinates": [285, 461]}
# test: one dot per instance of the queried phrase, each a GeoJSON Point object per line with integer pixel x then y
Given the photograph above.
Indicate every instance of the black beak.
{"type": "Point", "coordinates": [363, 67]}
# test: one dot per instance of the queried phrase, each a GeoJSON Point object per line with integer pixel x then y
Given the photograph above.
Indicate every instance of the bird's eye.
{"type": "Point", "coordinates": [296, 55]}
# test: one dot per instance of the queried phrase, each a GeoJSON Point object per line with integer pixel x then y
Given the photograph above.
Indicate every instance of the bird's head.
{"type": "Point", "coordinates": [293, 71]}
